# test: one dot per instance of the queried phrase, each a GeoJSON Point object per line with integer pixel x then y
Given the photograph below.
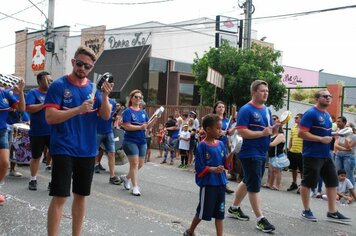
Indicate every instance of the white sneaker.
{"type": "Point", "coordinates": [126, 182]}
{"type": "Point", "coordinates": [15, 173]}
{"type": "Point", "coordinates": [136, 191]}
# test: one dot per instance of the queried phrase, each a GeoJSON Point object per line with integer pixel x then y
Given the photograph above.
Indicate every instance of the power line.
{"type": "Point", "coordinates": [35, 5]}
{"type": "Point", "coordinates": [25, 21]}
{"type": "Point", "coordinates": [306, 12]}
{"type": "Point", "coordinates": [283, 16]}
{"type": "Point", "coordinates": [20, 11]}
{"type": "Point", "coordinates": [129, 3]}
{"type": "Point", "coordinates": [164, 26]}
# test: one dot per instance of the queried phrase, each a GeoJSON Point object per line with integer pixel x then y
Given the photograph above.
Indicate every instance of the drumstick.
{"type": "Point", "coordinates": [93, 92]}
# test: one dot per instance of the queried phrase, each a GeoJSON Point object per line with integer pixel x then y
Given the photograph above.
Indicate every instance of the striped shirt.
{"type": "Point", "coordinates": [297, 143]}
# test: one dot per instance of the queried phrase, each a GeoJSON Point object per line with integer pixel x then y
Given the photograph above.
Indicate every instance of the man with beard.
{"type": "Point", "coordinates": [254, 126]}
{"type": "Point", "coordinates": [315, 130]}
{"type": "Point", "coordinates": [72, 112]}
{"type": "Point", "coordinates": [39, 129]}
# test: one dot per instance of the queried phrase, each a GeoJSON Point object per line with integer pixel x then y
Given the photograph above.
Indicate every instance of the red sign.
{"type": "Point", "coordinates": [38, 55]}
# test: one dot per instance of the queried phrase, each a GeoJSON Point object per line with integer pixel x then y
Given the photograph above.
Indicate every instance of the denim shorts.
{"type": "Point", "coordinates": [253, 173]}
{"type": "Point", "coordinates": [4, 139]}
{"type": "Point", "coordinates": [133, 149]}
{"type": "Point", "coordinates": [107, 140]}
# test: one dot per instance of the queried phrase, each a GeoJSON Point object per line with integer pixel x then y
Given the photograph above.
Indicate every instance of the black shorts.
{"type": "Point", "coordinates": [296, 161]}
{"type": "Point", "coordinates": [66, 168]}
{"type": "Point", "coordinates": [183, 152]}
{"type": "Point", "coordinates": [211, 203]}
{"type": "Point", "coordinates": [38, 144]}
{"type": "Point", "coordinates": [315, 167]}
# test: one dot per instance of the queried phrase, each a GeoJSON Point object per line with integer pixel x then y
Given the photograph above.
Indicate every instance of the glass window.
{"type": "Point", "coordinates": [186, 92]}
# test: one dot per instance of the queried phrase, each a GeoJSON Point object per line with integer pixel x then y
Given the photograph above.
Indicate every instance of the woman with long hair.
{"type": "Point", "coordinates": [276, 147]}
{"type": "Point", "coordinates": [219, 109]}
{"type": "Point", "coordinates": [135, 123]}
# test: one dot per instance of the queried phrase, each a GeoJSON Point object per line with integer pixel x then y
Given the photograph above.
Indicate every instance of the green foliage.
{"type": "Point", "coordinates": [304, 95]}
{"type": "Point", "coordinates": [350, 108]}
{"type": "Point", "coordinates": [240, 67]}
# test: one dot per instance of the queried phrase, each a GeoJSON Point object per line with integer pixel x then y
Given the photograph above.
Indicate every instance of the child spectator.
{"type": "Point", "coordinates": [148, 134]}
{"type": "Point", "coordinates": [210, 163]}
{"type": "Point", "coordinates": [160, 140]}
{"type": "Point", "coordinates": [345, 190]}
{"type": "Point", "coordinates": [184, 138]}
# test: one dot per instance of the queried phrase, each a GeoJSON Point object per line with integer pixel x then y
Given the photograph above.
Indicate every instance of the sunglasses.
{"type": "Point", "coordinates": [80, 63]}
{"type": "Point", "coordinates": [274, 118]}
{"type": "Point", "coordinates": [326, 96]}
{"type": "Point", "coordinates": [138, 97]}
{"type": "Point", "coordinates": [296, 117]}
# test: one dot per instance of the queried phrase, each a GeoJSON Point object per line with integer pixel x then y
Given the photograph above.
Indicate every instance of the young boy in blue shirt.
{"type": "Point", "coordinates": [210, 163]}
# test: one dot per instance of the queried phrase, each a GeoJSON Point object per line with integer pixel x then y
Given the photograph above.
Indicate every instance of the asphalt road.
{"type": "Point", "coordinates": [166, 207]}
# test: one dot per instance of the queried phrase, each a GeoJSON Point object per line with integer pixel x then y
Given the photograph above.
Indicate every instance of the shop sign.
{"type": "Point", "coordinates": [126, 40]}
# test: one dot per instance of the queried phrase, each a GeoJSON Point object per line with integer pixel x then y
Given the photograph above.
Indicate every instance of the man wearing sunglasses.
{"type": "Point", "coordinates": [315, 130]}
{"type": "Point", "coordinates": [72, 112]}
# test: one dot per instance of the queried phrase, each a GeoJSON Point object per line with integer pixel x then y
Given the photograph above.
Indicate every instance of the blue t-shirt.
{"type": "Point", "coordinates": [255, 119]}
{"type": "Point", "coordinates": [209, 155]}
{"type": "Point", "coordinates": [7, 100]}
{"type": "Point", "coordinates": [16, 116]}
{"type": "Point", "coordinates": [105, 126]}
{"type": "Point", "coordinates": [318, 123]}
{"type": "Point", "coordinates": [135, 117]}
{"type": "Point", "coordinates": [76, 136]}
{"type": "Point", "coordinates": [38, 125]}
{"type": "Point", "coordinates": [225, 126]}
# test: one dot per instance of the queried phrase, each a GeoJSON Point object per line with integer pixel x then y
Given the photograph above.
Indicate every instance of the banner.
{"type": "Point", "coordinates": [215, 78]}
{"type": "Point", "coordinates": [38, 55]}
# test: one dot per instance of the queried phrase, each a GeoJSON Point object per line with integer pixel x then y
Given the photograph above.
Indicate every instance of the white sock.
{"type": "Point", "coordinates": [259, 218]}
{"type": "Point", "coordinates": [33, 177]}
{"type": "Point", "coordinates": [235, 207]}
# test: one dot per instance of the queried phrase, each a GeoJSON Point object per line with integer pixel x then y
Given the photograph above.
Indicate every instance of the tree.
{"type": "Point", "coordinates": [240, 67]}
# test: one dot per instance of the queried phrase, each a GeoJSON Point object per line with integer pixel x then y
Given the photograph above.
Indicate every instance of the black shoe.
{"type": "Point", "coordinates": [32, 185]}
{"type": "Point", "coordinates": [292, 187]}
{"type": "Point", "coordinates": [265, 226]}
{"type": "Point", "coordinates": [97, 169]}
{"type": "Point", "coordinates": [163, 162]}
{"type": "Point", "coordinates": [115, 180]}
{"type": "Point", "coordinates": [237, 214]}
{"type": "Point", "coordinates": [337, 217]}
{"type": "Point", "coordinates": [101, 167]}
{"type": "Point", "coordinates": [228, 191]}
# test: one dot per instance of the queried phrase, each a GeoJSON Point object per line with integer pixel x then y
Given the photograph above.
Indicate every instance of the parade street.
{"type": "Point", "coordinates": [166, 207]}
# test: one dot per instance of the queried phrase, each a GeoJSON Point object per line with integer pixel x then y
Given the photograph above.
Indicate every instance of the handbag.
{"type": "Point", "coordinates": [280, 161]}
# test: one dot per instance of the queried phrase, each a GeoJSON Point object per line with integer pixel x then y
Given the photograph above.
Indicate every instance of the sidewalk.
{"type": "Point", "coordinates": [286, 175]}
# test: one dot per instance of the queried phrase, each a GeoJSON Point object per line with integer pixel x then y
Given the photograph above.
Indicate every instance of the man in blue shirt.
{"type": "Point", "coordinates": [315, 130]}
{"type": "Point", "coordinates": [254, 125]}
{"type": "Point", "coordinates": [39, 128]}
{"type": "Point", "coordinates": [73, 113]}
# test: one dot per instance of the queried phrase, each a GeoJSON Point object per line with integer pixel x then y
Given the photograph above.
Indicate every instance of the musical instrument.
{"type": "Point", "coordinates": [157, 113]}
{"type": "Point", "coordinates": [20, 143]}
{"type": "Point", "coordinates": [100, 81]}
{"type": "Point", "coordinates": [236, 142]}
{"type": "Point", "coordinates": [9, 81]}
{"type": "Point", "coordinates": [285, 117]}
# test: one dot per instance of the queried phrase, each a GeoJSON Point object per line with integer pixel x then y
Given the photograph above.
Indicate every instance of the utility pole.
{"type": "Point", "coordinates": [49, 35]}
{"type": "Point", "coordinates": [248, 18]}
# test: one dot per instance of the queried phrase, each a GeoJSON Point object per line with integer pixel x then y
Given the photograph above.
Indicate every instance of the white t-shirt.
{"type": "Point", "coordinates": [344, 186]}
{"type": "Point", "coordinates": [184, 145]}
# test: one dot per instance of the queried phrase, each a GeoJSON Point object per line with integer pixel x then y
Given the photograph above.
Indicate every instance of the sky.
{"type": "Point", "coordinates": [324, 41]}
